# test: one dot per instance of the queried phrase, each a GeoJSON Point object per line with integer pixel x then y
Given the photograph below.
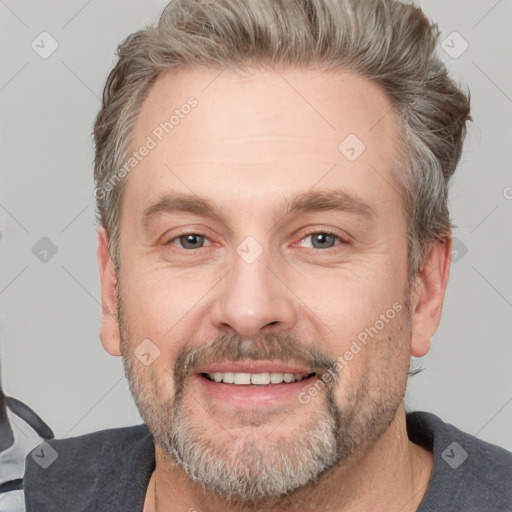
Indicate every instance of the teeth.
{"type": "Point", "coordinates": [228, 377]}
{"type": "Point", "coordinates": [242, 378]}
{"type": "Point", "coordinates": [261, 379]}
{"type": "Point", "coordinates": [276, 378]}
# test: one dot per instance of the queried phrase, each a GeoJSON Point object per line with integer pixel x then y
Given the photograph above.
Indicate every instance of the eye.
{"type": "Point", "coordinates": [321, 240]}
{"type": "Point", "coordinates": [189, 241]}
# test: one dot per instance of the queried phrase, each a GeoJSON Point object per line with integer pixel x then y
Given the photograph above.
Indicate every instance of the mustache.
{"type": "Point", "coordinates": [265, 347]}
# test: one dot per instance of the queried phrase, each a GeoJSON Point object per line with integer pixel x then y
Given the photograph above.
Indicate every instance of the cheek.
{"type": "Point", "coordinates": [163, 311]}
{"type": "Point", "coordinates": [376, 361]}
{"type": "Point", "coordinates": [344, 302]}
{"type": "Point", "coordinates": [363, 324]}
{"type": "Point", "coordinates": [160, 302]}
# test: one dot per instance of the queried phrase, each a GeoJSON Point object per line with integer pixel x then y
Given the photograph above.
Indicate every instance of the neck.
{"type": "Point", "coordinates": [392, 475]}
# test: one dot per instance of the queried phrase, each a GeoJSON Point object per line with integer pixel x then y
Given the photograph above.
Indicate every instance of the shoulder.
{"type": "Point", "coordinates": [88, 469]}
{"type": "Point", "coordinates": [469, 474]}
{"type": "Point", "coordinates": [109, 441]}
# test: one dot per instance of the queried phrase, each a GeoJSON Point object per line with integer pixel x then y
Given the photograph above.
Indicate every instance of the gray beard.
{"type": "Point", "coordinates": [261, 474]}
{"type": "Point", "coordinates": [254, 473]}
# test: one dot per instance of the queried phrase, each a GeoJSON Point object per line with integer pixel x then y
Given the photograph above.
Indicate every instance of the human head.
{"type": "Point", "coordinates": [270, 308]}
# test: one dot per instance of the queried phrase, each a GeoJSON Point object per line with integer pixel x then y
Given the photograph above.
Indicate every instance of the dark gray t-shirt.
{"type": "Point", "coordinates": [109, 471]}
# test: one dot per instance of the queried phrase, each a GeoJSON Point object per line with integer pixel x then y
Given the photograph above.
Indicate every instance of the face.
{"type": "Point", "coordinates": [262, 293]}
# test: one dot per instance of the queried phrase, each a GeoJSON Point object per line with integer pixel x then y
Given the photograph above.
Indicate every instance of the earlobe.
{"type": "Point", "coordinates": [109, 331]}
{"type": "Point", "coordinates": [427, 295]}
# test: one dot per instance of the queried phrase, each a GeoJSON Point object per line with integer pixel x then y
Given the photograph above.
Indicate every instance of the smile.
{"type": "Point", "coordinates": [257, 379]}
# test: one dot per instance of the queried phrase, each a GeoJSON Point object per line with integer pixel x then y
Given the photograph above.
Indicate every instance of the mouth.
{"type": "Point", "coordinates": [256, 379]}
{"type": "Point", "coordinates": [250, 384]}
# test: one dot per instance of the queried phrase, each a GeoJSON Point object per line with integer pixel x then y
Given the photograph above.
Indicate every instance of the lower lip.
{"type": "Point", "coordinates": [251, 395]}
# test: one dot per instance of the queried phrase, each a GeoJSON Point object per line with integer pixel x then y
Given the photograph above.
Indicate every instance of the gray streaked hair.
{"type": "Point", "coordinates": [388, 42]}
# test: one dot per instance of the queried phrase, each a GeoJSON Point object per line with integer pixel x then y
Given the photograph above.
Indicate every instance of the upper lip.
{"type": "Point", "coordinates": [253, 366]}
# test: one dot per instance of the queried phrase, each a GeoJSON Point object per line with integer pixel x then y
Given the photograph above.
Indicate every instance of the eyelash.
{"type": "Point", "coordinates": [306, 235]}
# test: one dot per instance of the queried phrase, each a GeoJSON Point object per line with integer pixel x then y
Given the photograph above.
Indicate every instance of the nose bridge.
{"type": "Point", "coordinates": [252, 298]}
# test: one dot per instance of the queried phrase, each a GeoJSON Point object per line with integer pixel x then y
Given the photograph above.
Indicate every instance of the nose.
{"type": "Point", "coordinates": [252, 300]}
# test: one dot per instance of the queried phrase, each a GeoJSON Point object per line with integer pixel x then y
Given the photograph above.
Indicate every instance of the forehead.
{"type": "Point", "coordinates": [263, 134]}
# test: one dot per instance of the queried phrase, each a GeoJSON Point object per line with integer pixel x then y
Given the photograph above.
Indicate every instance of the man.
{"type": "Point", "coordinates": [274, 246]}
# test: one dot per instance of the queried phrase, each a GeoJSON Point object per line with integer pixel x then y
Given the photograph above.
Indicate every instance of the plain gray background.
{"type": "Point", "coordinates": [50, 351]}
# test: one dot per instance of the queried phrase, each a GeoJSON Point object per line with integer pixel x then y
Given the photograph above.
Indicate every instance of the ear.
{"type": "Point", "coordinates": [427, 295]}
{"type": "Point", "coordinates": [109, 332]}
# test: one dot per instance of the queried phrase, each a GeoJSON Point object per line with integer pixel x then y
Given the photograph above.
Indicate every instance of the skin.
{"type": "Point", "coordinates": [251, 141]}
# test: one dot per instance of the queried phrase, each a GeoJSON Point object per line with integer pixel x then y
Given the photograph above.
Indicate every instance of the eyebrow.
{"type": "Point", "coordinates": [311, 201]}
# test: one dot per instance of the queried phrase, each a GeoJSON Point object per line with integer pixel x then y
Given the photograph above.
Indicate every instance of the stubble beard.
{"type": "Point", "coordinates": [253, 473]}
